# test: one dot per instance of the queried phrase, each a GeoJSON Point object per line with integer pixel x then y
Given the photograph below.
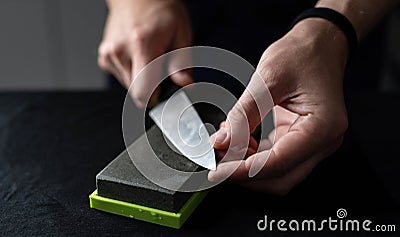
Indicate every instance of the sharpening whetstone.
{"type": "Point", "coordinates": [123, 190]}
{"type": "Point", "coordinates": [122, 181]}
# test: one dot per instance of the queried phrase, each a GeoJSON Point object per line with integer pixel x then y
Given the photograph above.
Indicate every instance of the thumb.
{"type": "Point", "coordinates": [244, 117]}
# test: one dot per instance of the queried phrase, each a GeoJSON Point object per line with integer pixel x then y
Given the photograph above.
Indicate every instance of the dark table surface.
{"type": "Point", "coordinates": [52, 144]}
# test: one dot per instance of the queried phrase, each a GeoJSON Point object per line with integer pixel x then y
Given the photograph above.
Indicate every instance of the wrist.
{"type": "Point", "coordinates": [323, 35]}
{"type": "Point", "coordinates": [362, 14]}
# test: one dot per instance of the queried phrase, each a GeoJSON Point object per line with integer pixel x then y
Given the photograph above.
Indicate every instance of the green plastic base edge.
{"type": "Point", "coordinates": [148, 214]}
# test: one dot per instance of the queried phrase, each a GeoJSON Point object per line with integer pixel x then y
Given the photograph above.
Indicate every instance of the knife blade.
{"type": "Point", "coordinates": [183, 127]}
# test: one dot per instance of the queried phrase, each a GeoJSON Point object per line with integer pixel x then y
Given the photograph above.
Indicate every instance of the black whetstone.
{"type": "Point", "coordinates": [121, 180]}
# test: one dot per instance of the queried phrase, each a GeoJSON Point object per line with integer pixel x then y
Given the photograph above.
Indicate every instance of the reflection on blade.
{"type": "Point", "coordinates": [180, 123]}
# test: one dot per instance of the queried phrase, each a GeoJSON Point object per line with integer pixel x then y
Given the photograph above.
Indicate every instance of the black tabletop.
{"type": "Point", "coordinates": [52, 144]}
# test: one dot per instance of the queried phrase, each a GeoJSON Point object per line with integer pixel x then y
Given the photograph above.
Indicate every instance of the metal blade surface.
{"type": "Point", "coordinates": [181, 124]}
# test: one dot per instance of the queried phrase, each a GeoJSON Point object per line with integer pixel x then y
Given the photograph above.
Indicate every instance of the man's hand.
{"type": "Point", "coordinates": [136, 33]}
{"type": "Point", "coordinates": [303, 72]}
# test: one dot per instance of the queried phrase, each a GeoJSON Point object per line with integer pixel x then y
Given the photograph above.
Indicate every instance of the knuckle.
{"type": "Point", "coordinates": [139, 35]}
{"type": "Point", "coordinates": [101, 63]}
{"type": "Point", "coordinates": [108, 49]}
{"type": "Point", "coordinates": [101, 49]}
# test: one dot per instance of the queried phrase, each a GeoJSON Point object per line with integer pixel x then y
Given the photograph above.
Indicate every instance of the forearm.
{"type": "Point", "coordinates": [363, 14]}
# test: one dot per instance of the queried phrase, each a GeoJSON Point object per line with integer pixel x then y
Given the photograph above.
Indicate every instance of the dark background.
{"type": "Point", "coordinates": [53, 143]}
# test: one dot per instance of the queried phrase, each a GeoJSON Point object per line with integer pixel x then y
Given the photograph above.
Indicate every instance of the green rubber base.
{"type": "Point", "coordinates": [148, 214]}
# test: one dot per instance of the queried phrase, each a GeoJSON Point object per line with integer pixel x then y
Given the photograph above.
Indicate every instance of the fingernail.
{"type": "Point", "coordinates": [183, 78]}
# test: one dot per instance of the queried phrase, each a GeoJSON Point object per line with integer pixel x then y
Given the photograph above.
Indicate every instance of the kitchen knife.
{"type": "Point", "coordinates": [183, 127]}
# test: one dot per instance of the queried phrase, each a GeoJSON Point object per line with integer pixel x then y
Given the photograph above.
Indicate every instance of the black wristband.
{"type": "Point", "coordinates": [336, 18]}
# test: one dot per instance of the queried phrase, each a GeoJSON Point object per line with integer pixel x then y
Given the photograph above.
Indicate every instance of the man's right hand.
{"type": "Point", "coordinates": [137, 32]}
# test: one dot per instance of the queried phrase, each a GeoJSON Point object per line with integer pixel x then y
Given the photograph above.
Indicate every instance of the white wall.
{"type": "Point", "coordinates": [50, 44]}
